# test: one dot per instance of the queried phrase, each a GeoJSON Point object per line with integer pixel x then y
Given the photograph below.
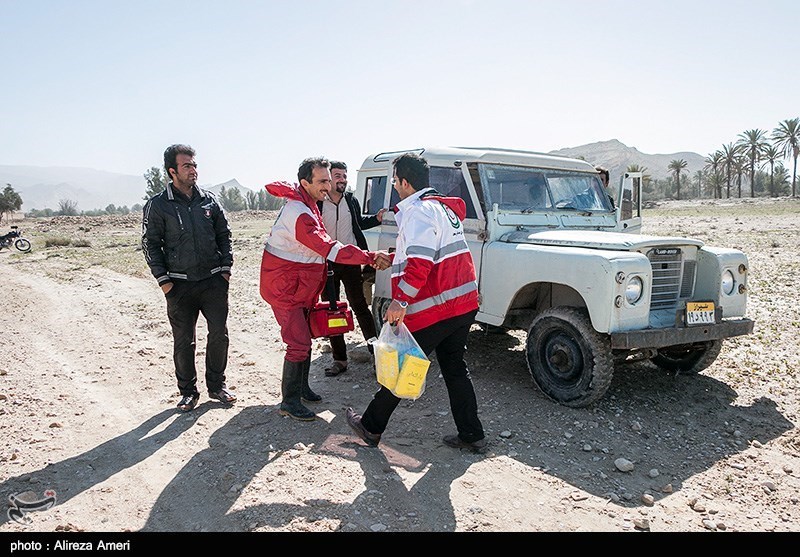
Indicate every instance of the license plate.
{"type": "Point", "coordinates": [699, 313]}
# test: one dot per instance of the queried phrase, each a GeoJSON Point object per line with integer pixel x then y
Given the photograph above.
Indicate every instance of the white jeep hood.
{"type": "Point", "coordinates": [619, 241]}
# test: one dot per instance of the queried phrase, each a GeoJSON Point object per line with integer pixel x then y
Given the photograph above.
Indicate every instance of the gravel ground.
{"type": "Point", "coordinates": [87, 401]}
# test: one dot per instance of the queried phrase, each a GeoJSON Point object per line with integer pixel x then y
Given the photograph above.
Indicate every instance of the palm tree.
{"type": "Point", "coordinates": [739, 165]}
{"type": "Point", "coordinates": [787, 139]}
{"type": "Point", "coordinates": [638, 168]}
{"type": "Point", "coordinates": [714, 185]}
{"type": "Point", "coordinates": [781, 180]}
{"type": "Point", "coordinates": [676, 166]}
{"type": "Point", "coordinates": [752, 143]}
{"type": "Point", "coordinates": [714, 162]}
{"type": "Point", "coordinates": [700, 175]}
{"type": "Point", "coordinates": [729, 154]}
{"type": "Point", "coordinates": [771, 156]}
{"type": "Point", "coordinates": [645, 177]}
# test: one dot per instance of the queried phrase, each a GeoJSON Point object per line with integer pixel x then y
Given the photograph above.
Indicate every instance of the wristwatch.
{"type": "Point", "coordinates": [403, 305]}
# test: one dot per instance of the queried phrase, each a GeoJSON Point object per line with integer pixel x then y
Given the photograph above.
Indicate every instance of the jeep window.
{"type": "Point", "coordinates": [630, 201]}
{"type": "Point", "coordinates": [579, 192]}
{"type": "Point", "coordinates": [515, 188]}
{"type": "Point", "coordinates": [449, 182]}
{"type": "Point", "coordinates": [374, 194]}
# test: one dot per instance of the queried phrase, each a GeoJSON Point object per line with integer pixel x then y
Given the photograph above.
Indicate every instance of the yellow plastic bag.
{"type": "Point", "coordinates": [400, 364]}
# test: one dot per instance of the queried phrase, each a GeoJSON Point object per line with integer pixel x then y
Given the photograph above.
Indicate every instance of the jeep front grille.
{"type": "Point", "coordinates": [673, 278]}
{"type": "Point", "coordinates": [687, 280]}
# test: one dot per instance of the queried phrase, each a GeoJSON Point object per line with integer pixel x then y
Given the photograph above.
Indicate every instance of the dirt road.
{"type": "Point", "coordinates": [87, 403]}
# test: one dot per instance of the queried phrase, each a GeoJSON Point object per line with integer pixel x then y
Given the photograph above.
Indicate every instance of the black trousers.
{"type": "Point", "coordinates": [350, 276]}
{"type": "Point", "coordinates": [449, 339]}
{"type": "Point", "coordinates": [185, 302]}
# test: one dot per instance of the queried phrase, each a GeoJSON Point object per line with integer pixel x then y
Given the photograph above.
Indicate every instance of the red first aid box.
{"type": "Point", "coordinates": [327, 322]}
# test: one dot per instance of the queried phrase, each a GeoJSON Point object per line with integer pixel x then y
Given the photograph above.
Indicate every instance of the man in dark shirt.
{"type": "Point", "coordinates": [341, 214]}
{"type": "Point", "coordinates": [604, 178]}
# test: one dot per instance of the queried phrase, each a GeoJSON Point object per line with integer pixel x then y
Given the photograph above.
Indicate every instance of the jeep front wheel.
{"type": "Point", "coordinates": [688, 359]}
{"type": "Point", "coordinates": [570, 362]}
{"type": "Point", "coordinates": [379, 307]}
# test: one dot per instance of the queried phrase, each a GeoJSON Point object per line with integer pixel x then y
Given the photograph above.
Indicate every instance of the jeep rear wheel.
{"type": "Point", "coordinates": [569, 361]}
{"type": "Point", "coordinates": [688, 359]}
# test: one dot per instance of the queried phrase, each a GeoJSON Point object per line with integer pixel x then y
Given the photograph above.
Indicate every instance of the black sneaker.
{"type": "Point", "coordinates": [354, 421]}
{"type": "Point", "coordinates": [480, 446]}
{"type": "Point", "coordinates": [188, 402]}
{"type": "Point", "coordinates": [223, 395]}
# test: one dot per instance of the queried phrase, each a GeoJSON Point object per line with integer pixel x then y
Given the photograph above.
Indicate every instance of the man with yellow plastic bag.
{"type": "Point", "coordinates": [435, 294]}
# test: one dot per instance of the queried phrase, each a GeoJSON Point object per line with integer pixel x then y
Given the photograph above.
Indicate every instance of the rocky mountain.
{"type": "Point", "coordinates": [617, 157]}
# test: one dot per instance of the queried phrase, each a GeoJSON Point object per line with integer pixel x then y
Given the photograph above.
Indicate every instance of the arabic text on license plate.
{"type": "Point", "coordinates": [699, 313]}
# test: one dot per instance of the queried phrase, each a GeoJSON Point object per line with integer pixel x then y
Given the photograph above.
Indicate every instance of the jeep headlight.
{"type": "Point", "coordinates": [634, 290]}
{"type": "Point", "coordinates": [728, 282]}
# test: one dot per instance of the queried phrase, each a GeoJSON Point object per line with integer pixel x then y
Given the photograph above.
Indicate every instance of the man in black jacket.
{"type": "Point", "coordinates": [187, 244]}
{"type": "Point", "coordinates": [343, 222]}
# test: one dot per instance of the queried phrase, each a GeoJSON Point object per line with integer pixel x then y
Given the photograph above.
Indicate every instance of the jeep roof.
{"type": "Point", "coordinates": [439, 155]}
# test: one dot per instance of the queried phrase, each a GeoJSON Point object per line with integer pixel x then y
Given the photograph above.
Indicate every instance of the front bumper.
{"type": "Point", "coordinates": [672, 336]}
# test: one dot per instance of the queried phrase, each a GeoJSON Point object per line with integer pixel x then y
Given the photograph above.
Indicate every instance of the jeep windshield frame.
{"type": "Point", "coordinates": [520, 189]}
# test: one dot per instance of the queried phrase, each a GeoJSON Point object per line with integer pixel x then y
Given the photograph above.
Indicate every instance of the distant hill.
{"type": "Point", "coordinates": [617, 157]}
{"type": "Point", "coordinates": [232, 184]}
{"type": "Point", "coordinates": [43, 187]}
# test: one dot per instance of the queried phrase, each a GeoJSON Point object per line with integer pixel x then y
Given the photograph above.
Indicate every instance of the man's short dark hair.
{"type": "Point", "coordinates": [306, 170]}
{"type": "Point", "coordinates": [338, 164]}
{"type": "Point", "coordinates": [412, 168]}
{"type": "Point", "coordinates": [171, 156]}
{"type": "Point", "coordinates": [603, 172]}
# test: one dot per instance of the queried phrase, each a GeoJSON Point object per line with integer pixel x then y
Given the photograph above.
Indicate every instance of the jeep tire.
{"type": "Point", "coordinates": [569, 361]}
{"type": "Point", "coordinates": [379, 307]}
{"type": "Point", "coordinates": [688, 359]}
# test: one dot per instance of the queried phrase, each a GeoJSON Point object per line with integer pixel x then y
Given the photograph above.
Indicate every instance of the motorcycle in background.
{"type": "Point", "coordinates": [15, 238]}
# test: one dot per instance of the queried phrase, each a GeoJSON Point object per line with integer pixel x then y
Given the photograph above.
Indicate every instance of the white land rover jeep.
{"type": "Point", "coordinates": [556, 258]}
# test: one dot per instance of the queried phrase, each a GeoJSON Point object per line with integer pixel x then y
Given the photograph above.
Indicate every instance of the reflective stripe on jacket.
{"type": "Point", "coordinates": [293, 269]}
{"type": "Point", "coordinates": [432, 268]}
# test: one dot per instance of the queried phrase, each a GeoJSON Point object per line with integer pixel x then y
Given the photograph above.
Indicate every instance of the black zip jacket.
{"type": "Point", "coordinates": [359, 223]}
{"type": "Point", "coordinates": [185, 239]}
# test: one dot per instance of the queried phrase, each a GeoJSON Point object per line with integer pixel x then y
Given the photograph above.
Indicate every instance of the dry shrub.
{"type": "Point", "coordinates": [56, 241]}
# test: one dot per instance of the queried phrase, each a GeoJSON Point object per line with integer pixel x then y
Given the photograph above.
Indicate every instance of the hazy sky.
{"type": "Point", "coordinates": [256, 86]}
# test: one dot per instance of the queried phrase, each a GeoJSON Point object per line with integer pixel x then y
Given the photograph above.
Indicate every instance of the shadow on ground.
{"type": "Point", "coordinates": [679, 425]}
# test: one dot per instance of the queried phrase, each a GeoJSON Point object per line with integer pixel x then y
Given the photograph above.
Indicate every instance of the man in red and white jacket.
{"type": "Point", "coordinates": [293, 274]}
{"type": "Point", "coordinates": [435, 293]}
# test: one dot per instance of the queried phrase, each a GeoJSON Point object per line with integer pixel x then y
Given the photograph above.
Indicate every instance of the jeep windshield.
{"type": "Point", "coordinates": [528, 190]}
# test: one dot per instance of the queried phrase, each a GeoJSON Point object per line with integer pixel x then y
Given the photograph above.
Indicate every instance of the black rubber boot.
{"type": "Point", "coordinates": [307, 394]}
{"type": "Point", "coordinates": [291, 389]}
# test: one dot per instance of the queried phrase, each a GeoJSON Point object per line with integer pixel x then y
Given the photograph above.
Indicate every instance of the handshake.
{"type": "Point", "coordinates": [382, 261]}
